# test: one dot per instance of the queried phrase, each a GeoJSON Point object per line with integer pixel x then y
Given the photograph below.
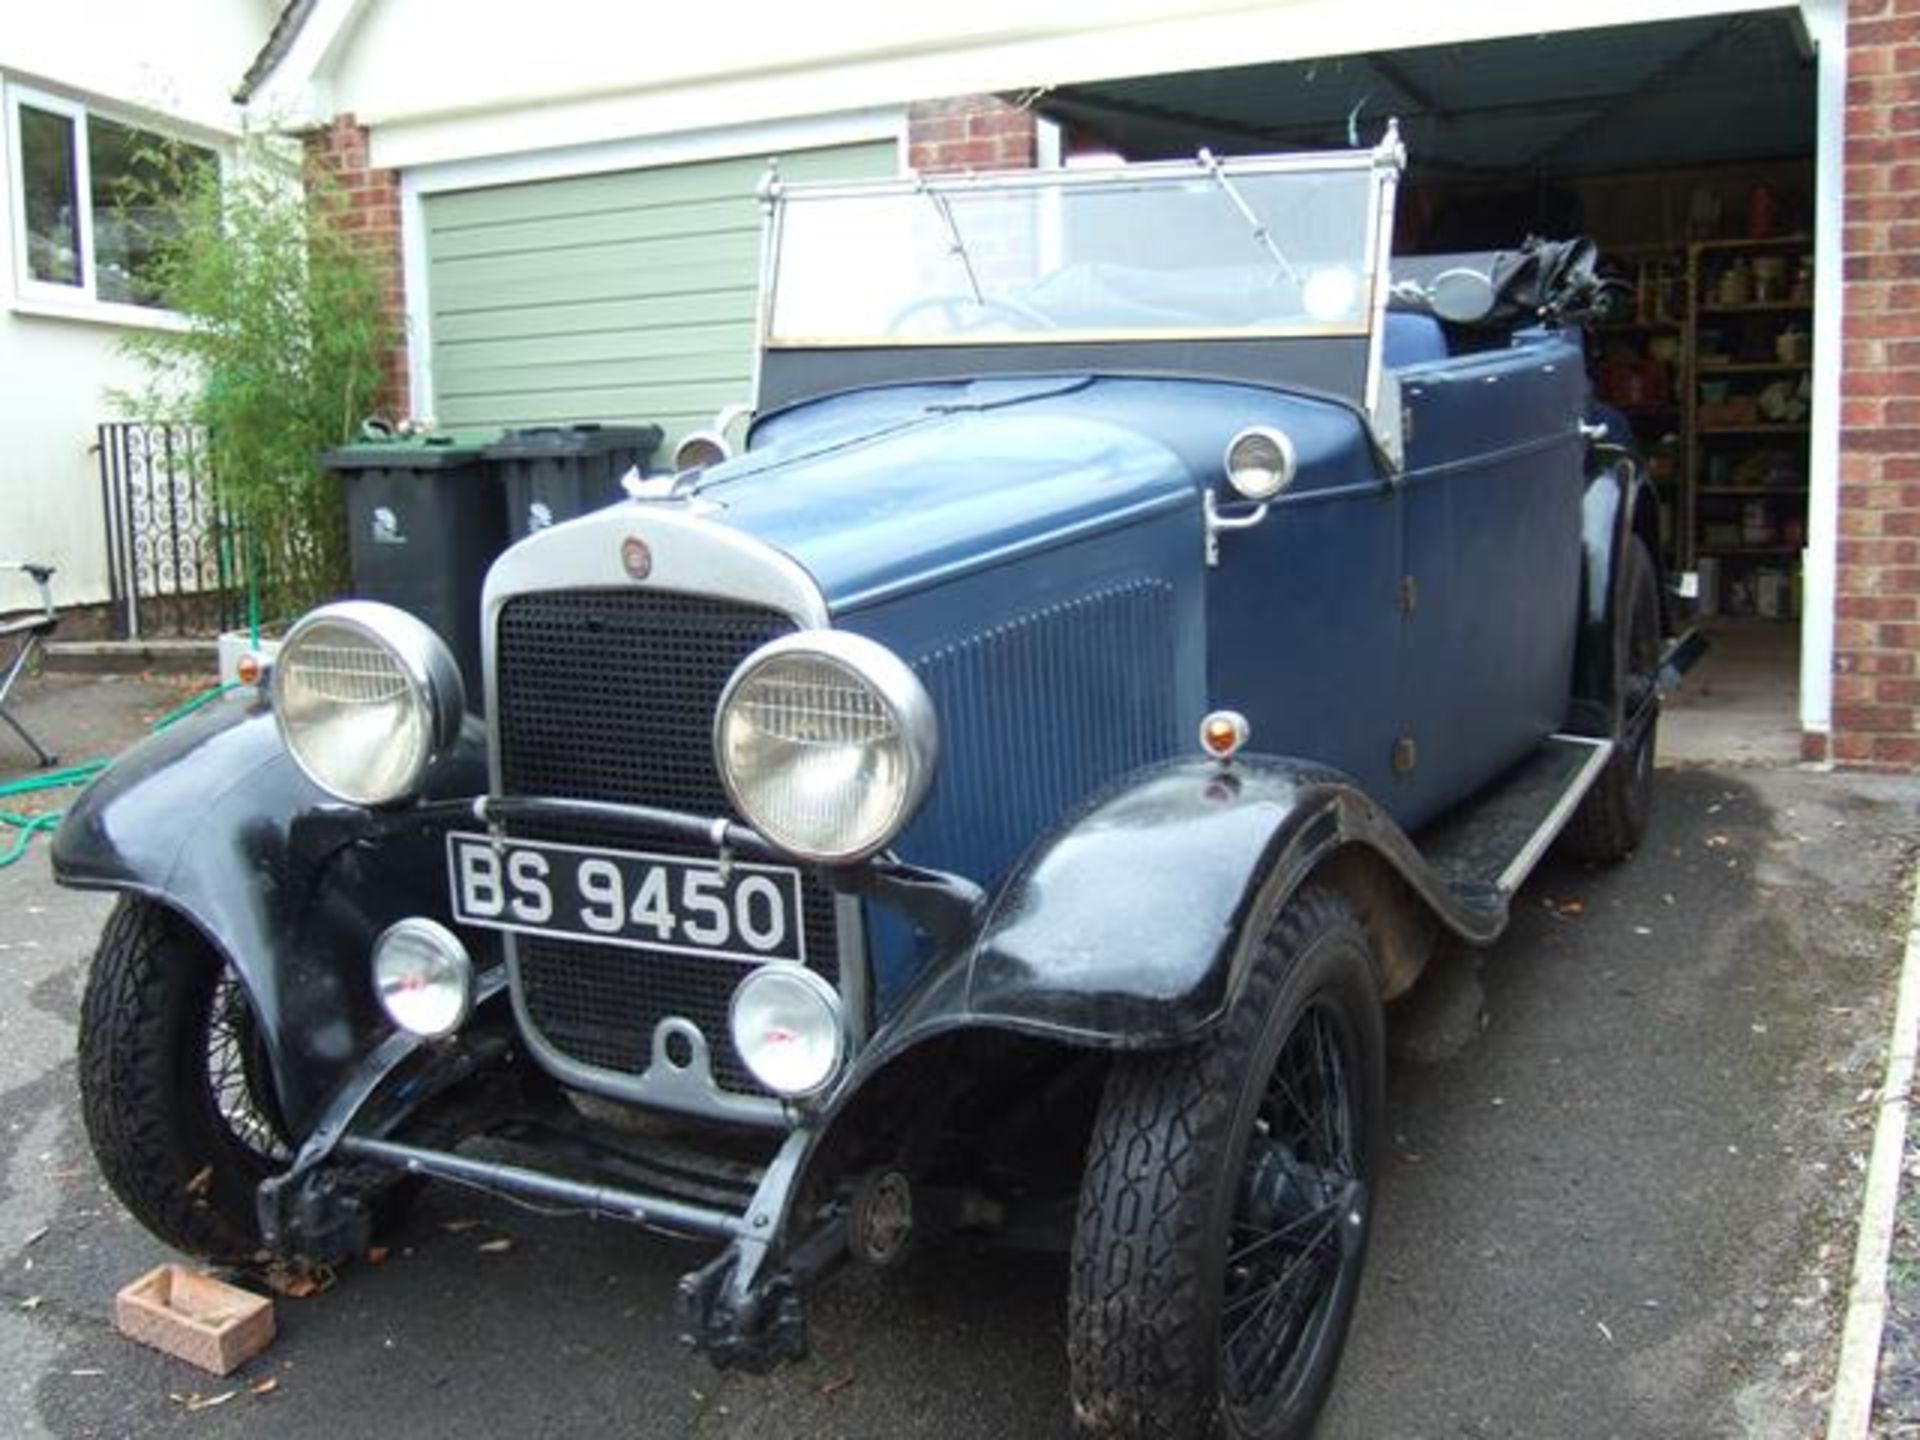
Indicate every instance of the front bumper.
{"type": "Point", "coordinates": [468, 1113]}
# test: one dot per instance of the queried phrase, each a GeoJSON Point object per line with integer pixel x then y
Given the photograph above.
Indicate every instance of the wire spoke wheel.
{"type": "Point", "coordinates": [1643, 685]}
{"type": "Point", "coordinates": [1300, 1184]}
{"type": "Point", "coordinates": [175, 1084]}
{"type": "Point", "coordinates": [1226, 1201]}
{"type": "Point", "coordinates": [239, 1082]}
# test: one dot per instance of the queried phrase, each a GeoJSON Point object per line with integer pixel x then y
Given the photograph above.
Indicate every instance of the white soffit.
{"type": "Point", "coordinates": [572, 72]}
{"type": "Point", "coordinates": [298, 90]}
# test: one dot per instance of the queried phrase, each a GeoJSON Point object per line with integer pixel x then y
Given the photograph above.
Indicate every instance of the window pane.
{"type": "Point", "coordinates": [51, 196]}
{"type": "Point", "coordinates": [137, 180]}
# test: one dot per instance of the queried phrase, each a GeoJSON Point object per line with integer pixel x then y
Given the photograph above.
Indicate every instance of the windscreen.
{"type": "Point", "coordinates": [1167, 253]}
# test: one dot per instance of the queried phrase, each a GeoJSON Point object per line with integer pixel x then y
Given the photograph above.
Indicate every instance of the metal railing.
{"type": "Point", "coordinates": [170, 553]}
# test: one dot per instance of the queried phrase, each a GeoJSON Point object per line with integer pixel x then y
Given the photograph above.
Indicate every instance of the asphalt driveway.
{"type": "Point", "coordinates": [1625, 1161]}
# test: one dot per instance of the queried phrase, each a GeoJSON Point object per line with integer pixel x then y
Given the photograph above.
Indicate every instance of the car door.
{"type": "Point", "coordinates": [1491, 498]}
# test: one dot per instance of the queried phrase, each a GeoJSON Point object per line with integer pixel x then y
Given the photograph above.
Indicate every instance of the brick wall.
{"type": "Point", "coordinates": [1876, 692]}
{"type": "Point", "coordinates": [371, 212]}
{"type": "Point", "coordinates": [970, 132]}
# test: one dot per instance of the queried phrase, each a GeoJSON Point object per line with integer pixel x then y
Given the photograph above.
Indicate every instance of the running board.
{"type": "Point", "coordinates": [1485, 848]}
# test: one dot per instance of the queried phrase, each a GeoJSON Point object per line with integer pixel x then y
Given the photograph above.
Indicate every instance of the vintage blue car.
{"type": "Point", "coordinates": [1142, 621]}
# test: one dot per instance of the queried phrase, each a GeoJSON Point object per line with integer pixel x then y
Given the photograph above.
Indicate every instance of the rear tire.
{"type": "Point", "coordinates": [175, 1086]}
{"type": "Point", "coordinates": [1612, 819]}
{"type": "Point", "coordinates": [1224, 1211]}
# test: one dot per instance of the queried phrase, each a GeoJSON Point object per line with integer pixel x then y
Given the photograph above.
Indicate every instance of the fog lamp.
{"type": "Point", "coordinates": [424, 977]}
{"type": "Point", "coordinates": [786, 1025]}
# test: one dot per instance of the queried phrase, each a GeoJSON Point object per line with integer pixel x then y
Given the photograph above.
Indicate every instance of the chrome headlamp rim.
{"type": "Point", "coordinates": [822, 989]}
{"type": "Point", "coordinates": [435, 693]}
{"type": "Point", "coordinates": [700, 450]}
{"type": "Point", "coordinates": [1285, 472]}
{"type": "Point", "coordinates": [892, 680]}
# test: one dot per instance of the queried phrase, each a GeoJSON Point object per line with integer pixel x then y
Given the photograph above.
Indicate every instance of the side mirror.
{"type": "Point", "coordinates": [1461, 296]}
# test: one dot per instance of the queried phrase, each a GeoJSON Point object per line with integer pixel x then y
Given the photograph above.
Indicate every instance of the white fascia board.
{"type": "Point", "coordinates": [412, 127]}
{"type": "Point", "coordinates": [299, 92]}
{"type": "Point", "coordinates": [640, 152]}
{"type": "Point", "coordinates": [775, 105]}
{"type": "Point", "coordinates": [418, 320]}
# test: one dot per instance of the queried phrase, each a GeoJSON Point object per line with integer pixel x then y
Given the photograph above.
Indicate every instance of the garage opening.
{"type": "Point", "coordinates": [1685, 149]}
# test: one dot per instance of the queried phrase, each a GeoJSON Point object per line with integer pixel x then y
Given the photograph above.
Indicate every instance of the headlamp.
{"type": "Point", "coordinates": [826, 743]}
{"type": "Point", "coordinates": [366, 696]}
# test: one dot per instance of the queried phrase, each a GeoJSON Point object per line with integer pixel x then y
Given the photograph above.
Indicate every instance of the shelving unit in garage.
{"type": "Point", "coordinates": [1748, 398]}
{"type": "Point", "coordinates": [1640, 370]}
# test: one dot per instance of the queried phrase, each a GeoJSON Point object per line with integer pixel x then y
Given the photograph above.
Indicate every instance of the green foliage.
{"type": "Point", "coordinates": [282, 356]}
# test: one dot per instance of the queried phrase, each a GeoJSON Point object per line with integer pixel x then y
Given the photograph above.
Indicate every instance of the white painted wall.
{"type": "Point", "coordinates": [1827, 24]}
{"type": "Point", "coordinates": [53, 378]}
{"type": "Point", "coordinates": [141, 59]}
{"type": "Point", "coordinates": [181, 60]}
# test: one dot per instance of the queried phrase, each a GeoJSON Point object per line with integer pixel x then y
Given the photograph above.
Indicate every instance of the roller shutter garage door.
{"type": "Point", "coordinates": [627, 296]}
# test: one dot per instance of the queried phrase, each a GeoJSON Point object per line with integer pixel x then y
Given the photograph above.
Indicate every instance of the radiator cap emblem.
{"type": "Point", "coordinates": [636, 558]}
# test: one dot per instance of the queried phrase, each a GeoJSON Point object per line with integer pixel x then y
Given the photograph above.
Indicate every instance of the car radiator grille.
{"type": "Point", "coordinates": [610, 695]}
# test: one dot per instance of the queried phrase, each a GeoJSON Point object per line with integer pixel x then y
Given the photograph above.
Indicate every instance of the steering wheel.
{"type": "Point", "coordinates": [963, 313]}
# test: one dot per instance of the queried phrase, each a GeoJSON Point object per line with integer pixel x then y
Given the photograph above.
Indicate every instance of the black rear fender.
{"type": "Point", "coordinates": [213, 820]}
{"type": "Point", "coordinates": [1619, 504]}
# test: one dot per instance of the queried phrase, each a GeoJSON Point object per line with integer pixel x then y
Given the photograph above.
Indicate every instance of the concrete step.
{"type": "Point", "coordinates": [129, 657]}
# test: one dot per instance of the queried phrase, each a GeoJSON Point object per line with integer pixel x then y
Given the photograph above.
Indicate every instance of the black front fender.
{"type": "Point", "coordinates": [1125, 928]}
{"type": "Point", "coordinates": [214, 820]}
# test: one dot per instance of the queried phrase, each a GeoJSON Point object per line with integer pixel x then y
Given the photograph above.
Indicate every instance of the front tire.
{"type": "Point", "coordinates": [174, 1084]}
{"type": "Point", "coordinates": [1227, 1199]}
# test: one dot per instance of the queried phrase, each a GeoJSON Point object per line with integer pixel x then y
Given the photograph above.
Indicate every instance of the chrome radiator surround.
{"type": "Point", "coordinates": [690, 564]}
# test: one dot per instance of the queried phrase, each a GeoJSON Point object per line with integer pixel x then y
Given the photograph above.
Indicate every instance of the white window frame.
{"type": "Point", "coordinates": [82, 301]}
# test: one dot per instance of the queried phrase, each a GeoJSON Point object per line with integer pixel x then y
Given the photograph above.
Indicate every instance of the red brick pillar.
{"type": "Point", "coordinates": [970, 132]}
{"type": "Point", "coordinates": [371, 213]}
{"type": "Point", "coordinates": [1876, 692]}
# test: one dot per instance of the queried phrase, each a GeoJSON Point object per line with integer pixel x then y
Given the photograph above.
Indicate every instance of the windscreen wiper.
{"type": "Point", "coordinates": [957, 247]}
{"type": "Point", "coordinates": [1211, 164]}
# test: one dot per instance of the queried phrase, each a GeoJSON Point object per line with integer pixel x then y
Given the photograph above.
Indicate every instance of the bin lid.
{"type": "Point", "coordinates": [535, 442]}
{"type": "Point", "coordinates": [441, 450]}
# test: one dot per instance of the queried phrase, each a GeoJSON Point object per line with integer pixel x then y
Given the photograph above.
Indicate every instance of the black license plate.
{"type": "Point", "coordinates": [644, 901]}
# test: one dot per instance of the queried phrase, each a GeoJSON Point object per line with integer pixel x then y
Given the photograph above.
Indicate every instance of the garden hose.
{"type": "Point", "coordinates": [27, 826]}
